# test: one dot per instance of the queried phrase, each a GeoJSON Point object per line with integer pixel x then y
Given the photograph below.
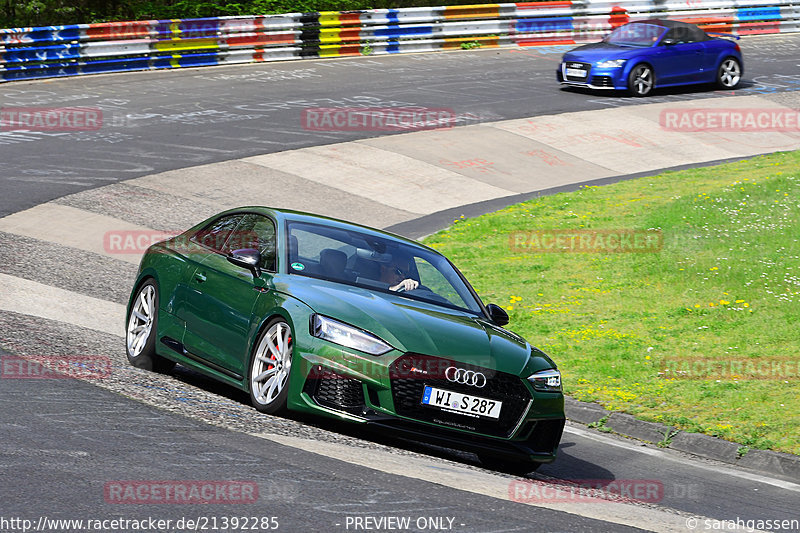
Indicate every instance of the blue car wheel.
{"type": "Point", "coordinates": [641, 80]}
{"type": "Point", "coordinates": [729, 73]}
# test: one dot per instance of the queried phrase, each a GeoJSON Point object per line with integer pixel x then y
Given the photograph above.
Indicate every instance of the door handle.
{"type": "Point", "coordinates": [200, 277]}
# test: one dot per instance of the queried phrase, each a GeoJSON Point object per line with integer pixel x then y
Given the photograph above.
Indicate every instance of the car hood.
{"type": "Point", "coordinates": [594, 52]}
{"type": "Point", "coordinates": [419, 327]}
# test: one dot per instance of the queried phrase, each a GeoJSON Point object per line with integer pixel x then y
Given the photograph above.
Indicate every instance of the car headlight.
{"type": "Point", "coordinates": [346, 335]}
{"type": "Point", "coordinates": [546, 380]}
{"type": "Point", "coordinates": [611, 63]}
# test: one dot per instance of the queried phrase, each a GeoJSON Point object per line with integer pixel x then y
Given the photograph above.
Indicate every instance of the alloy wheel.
{"type": "Point", "coordinates": [272, 363]}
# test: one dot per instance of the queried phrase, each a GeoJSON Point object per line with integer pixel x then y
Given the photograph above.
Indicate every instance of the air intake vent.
{"type": "Point", "coordinates": [335, 391]}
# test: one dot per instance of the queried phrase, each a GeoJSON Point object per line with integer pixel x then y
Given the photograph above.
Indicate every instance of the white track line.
{"type": "Point", "coordinates": [698, 465]}
{"type": "Point", "coordinates": [53, 303]}
{"type": "Point", "coordinates": [488, 484]}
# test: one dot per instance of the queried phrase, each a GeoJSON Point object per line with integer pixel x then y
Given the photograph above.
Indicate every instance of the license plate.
{"type": "Point", "coordinates": [461, 403]}
{"type": "Point", "coordinates": [578, 73]}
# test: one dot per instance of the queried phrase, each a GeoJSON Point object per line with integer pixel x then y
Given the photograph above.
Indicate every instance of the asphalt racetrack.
{"type": "Point", "coordinates": [65, 442]}
{"type": "Point", "coordinates": [160, 121]}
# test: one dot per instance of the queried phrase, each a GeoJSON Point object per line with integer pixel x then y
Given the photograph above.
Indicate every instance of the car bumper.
{"type": "Point", "coordinates": [336, 384]}
{"type": "Point", "coordinates": [596, 78]}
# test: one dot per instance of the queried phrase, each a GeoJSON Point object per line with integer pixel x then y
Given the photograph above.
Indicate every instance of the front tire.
{"type": "Point", "coordinates": [641, 80]}
{"type": "Point", "coordinates": [270, 368]}
{"type": "Point", "coordinates": [140, 338]}
{"type": "Point", "coordinates": [729, 73]}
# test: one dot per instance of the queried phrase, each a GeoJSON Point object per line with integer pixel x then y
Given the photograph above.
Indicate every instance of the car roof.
{"type": "Point", "coordinates": [666, 23]}
{"type": "Point", "coordinates": [291, 215]}
{"type": "Point", "coordinates": [680, 28]}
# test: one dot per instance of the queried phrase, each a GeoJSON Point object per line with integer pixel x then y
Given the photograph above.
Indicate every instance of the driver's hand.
{"type": "Point", "coordinates": [405, 285]}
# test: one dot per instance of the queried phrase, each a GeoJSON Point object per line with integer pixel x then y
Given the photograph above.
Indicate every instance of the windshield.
{"type": "Point", "coordinates": [376, 263]}
{"type": "Point", "coordinates": [635, 34]}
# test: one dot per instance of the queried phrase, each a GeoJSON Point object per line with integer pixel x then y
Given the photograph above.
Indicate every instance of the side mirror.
{"type": "Point", "coordinates": [668, 42]}
{"type": "Point", "coordinates": [248, 258]}
{"type": "Point", "coordinates": [497, 314]}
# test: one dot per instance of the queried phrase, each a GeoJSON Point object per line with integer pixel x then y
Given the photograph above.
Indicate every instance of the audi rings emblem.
{"type": "Point", "coordinates": [465, 377]}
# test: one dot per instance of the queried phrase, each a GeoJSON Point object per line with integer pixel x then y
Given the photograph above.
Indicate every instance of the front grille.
{"type": "Point", "coordinates": [587, 67]}
{"type": "Point", "coordinates": [332, 390]}
{"type": "Point", "coordinates": [411, 373]}
{"type": "Point", "coordinates": [602, 81]}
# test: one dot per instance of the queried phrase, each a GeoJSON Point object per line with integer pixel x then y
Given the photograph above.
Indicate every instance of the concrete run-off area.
{"type": "Point", "coordinates": [395, 181]}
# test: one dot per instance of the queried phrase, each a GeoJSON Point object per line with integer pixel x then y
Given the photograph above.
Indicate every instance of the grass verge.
{"type": "Point", "coordinates": [629, 330]}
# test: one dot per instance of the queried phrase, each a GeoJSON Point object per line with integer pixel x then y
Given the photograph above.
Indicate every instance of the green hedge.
{"type": "Point", "coordinates": [55, 12]}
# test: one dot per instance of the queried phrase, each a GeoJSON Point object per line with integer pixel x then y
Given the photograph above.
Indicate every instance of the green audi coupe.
{"type": "Point", "coordinates": [313, 314]}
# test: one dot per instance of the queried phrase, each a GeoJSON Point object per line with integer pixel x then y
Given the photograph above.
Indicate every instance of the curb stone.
{"type": "Point", "coordinates": [628, 425]}
{"type": "Point", "coordinates": [769, 461]}
{"type": "Point", "coordinates": [584, 412]}
{"type": "Point", "coordinates": [764, 461]}
{"type": "Point", "coordinates": [706, 446]}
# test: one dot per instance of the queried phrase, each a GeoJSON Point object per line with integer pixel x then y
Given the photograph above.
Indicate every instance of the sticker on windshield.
{"type": "Point", "coordinates": [298, 266]}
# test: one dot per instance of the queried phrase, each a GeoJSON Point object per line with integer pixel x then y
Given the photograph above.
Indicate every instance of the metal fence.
{"type": "Point", "coordinates": [53, 51]}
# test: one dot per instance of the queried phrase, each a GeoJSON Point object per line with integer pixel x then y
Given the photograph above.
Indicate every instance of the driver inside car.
{"type": "Point", "coordinates": [397, 275]}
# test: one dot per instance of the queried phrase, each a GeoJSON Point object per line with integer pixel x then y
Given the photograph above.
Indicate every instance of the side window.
{"type": "Point", "coordinates": [216, 234]}
{"type": "Point", "coordinates": [697, 34]}
{"type": "Point", "coordinates": [680, 35]}
{"type": "Point", "coordinates": [258, 232]}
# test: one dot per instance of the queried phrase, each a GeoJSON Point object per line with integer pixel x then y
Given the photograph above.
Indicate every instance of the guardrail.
{"type": "Point", "coordinates": [53, 51]}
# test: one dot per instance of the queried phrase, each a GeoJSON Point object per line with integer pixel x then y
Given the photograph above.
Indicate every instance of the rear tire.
{"type": "Point", "coordinates": [142, 330]}
{"type": "Point", "coordinates": [270, 368]}
{"type": "Point", "coordinates": [729, 73]}
{"type": "Point", "coordinates": [641, 80]}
